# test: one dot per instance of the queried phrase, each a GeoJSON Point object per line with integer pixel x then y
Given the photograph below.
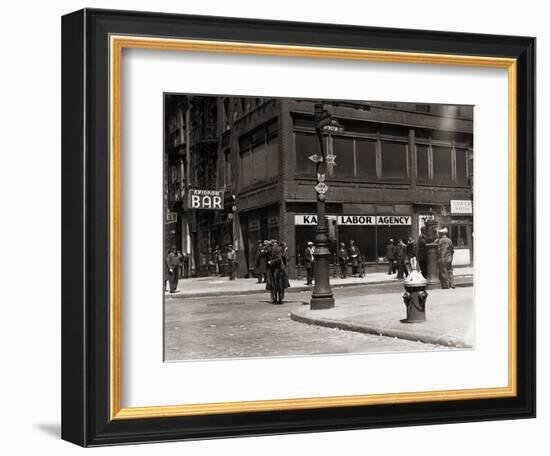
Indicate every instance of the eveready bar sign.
{"type": "Point", "coordinates": [357, 219]}
{"type": "Point", "coordinates": [205, 199]}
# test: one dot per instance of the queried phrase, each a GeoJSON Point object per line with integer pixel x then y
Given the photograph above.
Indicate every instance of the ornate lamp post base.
{"type": "Point", "coordinates": [320, 302]}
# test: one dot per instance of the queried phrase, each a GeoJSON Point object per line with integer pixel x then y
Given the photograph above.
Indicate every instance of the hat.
{"type": "Point", "coordinates": [266, 242]}
{"type": "Point", "coordinates": [310, 243]}
{"type": "Point", "coordinates": [443, 231]}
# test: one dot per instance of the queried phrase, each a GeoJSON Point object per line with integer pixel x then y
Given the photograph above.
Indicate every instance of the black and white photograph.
{"type": "Point", "coordinates": [300, 227]}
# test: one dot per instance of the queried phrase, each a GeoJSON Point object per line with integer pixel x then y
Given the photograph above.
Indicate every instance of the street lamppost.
{"type": "Point", "coordinates": [321, 296]}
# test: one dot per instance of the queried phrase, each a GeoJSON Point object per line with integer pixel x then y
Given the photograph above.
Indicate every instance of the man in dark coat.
{"type": "Point", "coordinates": [445, 253]}
{"type": "Point", "coordinates": [401, 256]}
{"type": "Point", "coordinates": [343, 259]}
{"type": "Point", "coordinates": [172, 263]}
{"type": "Point", "coordinates": [390, 256]}
{"type": "Point", "coordinates": [260, 268]}
{"type": "Point", "coordinates": [309, 256]}
{"type": "Point", "coordinates": [355, 259]}
{"type": "Point", "coordinates": [278, 277]}
{"type": "Point", "coordinates": [421, 252]}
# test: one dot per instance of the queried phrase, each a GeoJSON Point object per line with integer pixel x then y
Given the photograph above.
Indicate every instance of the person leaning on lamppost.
{"type": "Point", "coordinates": [309, 256]}
{"type": "Point", "coordinates": [445, 253]}
{"type": "Point", "coordinates": [343, 259]}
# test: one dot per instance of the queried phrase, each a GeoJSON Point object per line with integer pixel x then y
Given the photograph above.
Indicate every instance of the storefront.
{"type": "Point", "coordinates": [371, 233]}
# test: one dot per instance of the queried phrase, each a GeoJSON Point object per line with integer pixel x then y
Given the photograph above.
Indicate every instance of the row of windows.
{"type": "Point", "coordinates": [259, 157]}
{"type": "Point", "coordinates": [359, 157]}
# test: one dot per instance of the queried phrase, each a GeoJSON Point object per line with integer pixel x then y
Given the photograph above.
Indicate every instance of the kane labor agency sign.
{"type": "Point", "coordinates": [205, 199]}
{"type": "Point", "coordinates": [357, 219]}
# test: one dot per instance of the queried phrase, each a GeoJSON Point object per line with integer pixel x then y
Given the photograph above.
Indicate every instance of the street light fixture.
{"type": "Point", "coordinates": [321, 296]}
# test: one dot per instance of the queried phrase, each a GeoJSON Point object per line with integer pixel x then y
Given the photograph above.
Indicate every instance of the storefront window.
{"type": "Point", "coordinates": [459, 235]}
{"type": "Point", "coordinates": [343, 149]}
{"type": "Point", "coordinates": [305, 145]}
{"type": "Point", "coordinates": [394, 160]}
{"type": "Point", "coordinates": [395, 232]}
{"type": "Point", "coordinates": [365, 152]}
{"type": "Point", "coordinates": [422, 163]}
{"type": "Point", "coordinates": [442, 164]}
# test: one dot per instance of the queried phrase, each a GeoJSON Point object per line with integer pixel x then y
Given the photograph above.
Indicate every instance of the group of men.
{"type": "Point", "coordinates": [176, 265]}
{"type": "Point", "coordinates": [402, 257]}
{"type": "Point", "coordinates": [271, 268]}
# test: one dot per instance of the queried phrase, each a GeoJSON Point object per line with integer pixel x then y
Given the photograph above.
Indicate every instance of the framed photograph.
{"type": "Point", "coordinates": [278, 227]}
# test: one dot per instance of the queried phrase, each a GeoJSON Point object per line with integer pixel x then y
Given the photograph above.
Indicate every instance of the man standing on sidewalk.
{"type": "Point", "coordinates": [401, 255]}
{"type": "Point", "coordinates": [421, 252]}
{"type": "Point", "coordinates": [343, 258]}
{"type": "Point", "coordinates": [355, 260]}
{"type": "Point", "coordinates": [390, 256]}
{"type": "Point", "coordinates": [232, 261]}
{"type": "Point", "coordinates": [173, 264]}
{"type": "Point", "coordinates": [310, 259]}
{"type": "Point", "coordinates": [445, 253]}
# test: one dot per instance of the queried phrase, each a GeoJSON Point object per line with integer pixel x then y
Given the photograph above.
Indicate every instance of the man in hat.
{"type": "Point", "coordinates": [172, 262]}
{"type": "Point", "coordinates": [309, 262]}
{"type": "Point", "coordinates": [401, 256]}
{"type": "Point", "coordinates": [355, 260]}
{"type": "Point", "coordinates": [278, 277]}
{"type": "Point", "coordinates": [343, 259]}
{"type": "Point", "coordinates": [445, 253]}
{"type": "Point", "coordinates": [231, 261]}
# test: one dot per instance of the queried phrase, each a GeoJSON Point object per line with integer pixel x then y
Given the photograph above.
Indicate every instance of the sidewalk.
{"type": "Point", "coordinates": [222, 286]}
{"type": "Point", "coordinates": [449, 317]}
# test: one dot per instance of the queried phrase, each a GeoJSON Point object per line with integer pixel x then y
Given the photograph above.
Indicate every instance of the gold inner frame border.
{"type": "Point", "coordinates": [116, 46]}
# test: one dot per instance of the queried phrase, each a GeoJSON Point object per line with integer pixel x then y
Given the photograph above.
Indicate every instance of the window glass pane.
{"type": "Point", "coordinates": [461, 166]}
{"type": "Point", "coordinates": [394, 159]}
{"type": "Point", "coordinates": [442, 164]}
{"type": "Point", "coordinates": [272, 158]}
{"type": "Point", "coordinates": [422, 164]}
{"type": "Point", "coordinates": [306, 145]}
{"type": "Point", "coordinates": [365, 154]}
{"type": "Point", "coordinates": [246, 168]}
{"type": "Point", "coordinates": [258, 163]}
{"type": "Point", "coordinates": [343, 149]}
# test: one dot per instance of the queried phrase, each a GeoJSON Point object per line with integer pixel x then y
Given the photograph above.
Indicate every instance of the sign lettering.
{"type": "Point", "coordinates": [205, 199]}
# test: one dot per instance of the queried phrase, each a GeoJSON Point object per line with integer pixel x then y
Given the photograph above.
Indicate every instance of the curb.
{"type": "Point", "coordinates": [447, 341]}
{"type": "Point", "coordinates": [299, 289]}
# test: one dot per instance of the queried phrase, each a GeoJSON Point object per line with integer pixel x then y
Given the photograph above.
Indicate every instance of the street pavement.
{"type": "Point", "coordinates": [449, 317]}
{"type": "Point", "coordinates": [248, 325]}
{"type": "Point", "coordinates": [205, 286]}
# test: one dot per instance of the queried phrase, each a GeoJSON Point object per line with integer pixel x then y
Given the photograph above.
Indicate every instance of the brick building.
{"type": "Point", "coordinates": [396, 165]}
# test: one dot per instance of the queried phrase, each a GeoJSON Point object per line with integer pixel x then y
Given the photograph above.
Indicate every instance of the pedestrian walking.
{"type": "Point", "coordinates": [401, 256]}
{"type": "Point", "coordinates": [172, 263]}
{"type": "Point", "coordinates": [278, 277]}
{"type": "Point", "coordinates": [309, 256]}
{"type": "Point", "coordinates": [421, 252]}
{"type": "Point", "coordinates": [354, 253]}
{"type": "Point", "coordinates": [445, 253]}
{"type": "Point", "coordinates": [343, 259]}
{"type": "Point", "coordinates": [231, 261]}
{"type": "Point", "coordinates": [390, 256]}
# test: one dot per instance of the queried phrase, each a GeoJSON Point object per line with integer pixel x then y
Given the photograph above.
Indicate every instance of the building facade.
{"type": "Point", "coordinates": [396, 165]}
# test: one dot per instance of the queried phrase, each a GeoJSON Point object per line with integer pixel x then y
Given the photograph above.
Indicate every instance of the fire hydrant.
{"type": "Point", "coordinates": [415, 297]}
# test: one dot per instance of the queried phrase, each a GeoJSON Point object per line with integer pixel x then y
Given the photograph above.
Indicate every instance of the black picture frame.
{"type": "Point", "coordinates": [86, 415]}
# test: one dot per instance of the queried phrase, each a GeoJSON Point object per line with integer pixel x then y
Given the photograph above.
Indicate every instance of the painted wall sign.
{"type": "Point", "coordinates": [463, 207]}
{"type": "Point", "coordinates": [205, 199]}
{"type": "Point", "coordinates": [357, 219]}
